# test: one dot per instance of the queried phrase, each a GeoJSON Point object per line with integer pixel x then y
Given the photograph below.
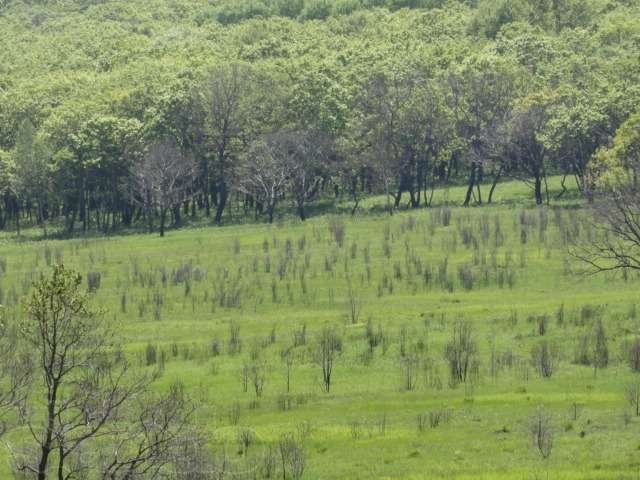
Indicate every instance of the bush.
{"type": "Point", "coordinates": [461, 353]}
{"type": "Point", "coordinates": [93, 281]}
{"type": "Point", "coordinates": [634, 355]}
{"type": "Point", "coordinates": [151, 354]}
{"type": "Point", "coordinates": [337, 229]}
{"type": "Point", "coordinates": [544, 358]}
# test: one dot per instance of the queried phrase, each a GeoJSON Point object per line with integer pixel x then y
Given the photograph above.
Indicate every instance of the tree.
{"type": "Point", "coordinates": [94, 402]}
{"type": "Point", "coordinates": [79, 377]}
{"type": "Point", "coordinates": [156, 429]}
{"type": "Point", "coordinates": [616, 208]}
{"type": "Point", "coordinates": [383, 101]}
{"type": "Point", "coordinates": [163, 179]}
{"type": "Point", "coordinates": [7, 207]}
{"type": "Point", "coordinates": [235, 102]}
{"type": "Point", "coordinates": [527, 152]}
{"type": "Point", "coordinates": [578, 125]}
{"type": "Point", "coordinates": [481, 94]}
{"type": "Point", "coordinates": [31, 176]}
{"type": "Point", "coordinates": [265, 172]}
{"type": "Point", "coordinates": [309, 153]}
{"type": "Point", "coordinates": [16, 372]}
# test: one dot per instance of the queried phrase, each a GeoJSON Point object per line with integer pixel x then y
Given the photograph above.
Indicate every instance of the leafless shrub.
{"type": "Point", "coordinates": [151, 354]}
{"type": "Point", "coordinates": [356, 429]}
{"type": "Point", "coordinates": [542, 322]}
{"type": "Point", "coordinates": [300, 336]}
{"type": "Point", "coordinates": [544, 358]}
{"type": "Point", "coordinates": [292, 457]}
{"type": "Point", "coordinates": [465, 274]}
{"type": "Point", "coordinates": [233, 413]}
{"type": "Point", "coordinates": [190, 458]}
{"type": "Point", "coordinates": [410, 367]}
{"type": "Point", "coordinates": [541, 431]}
{"type": "Point", "coordinates": [182, 273]}
{"type": "Point", "coordinates": [268, 463]}
{"type": "Point", "coordinates": [257, 373]}
{"type": "Point", "coordinates": [445, 216]}
{"type": "Point", "coordinates": [337, 229]}
{"type": "Point", "coordinates": [560, 315]}
{"type": "Point", "coordinates": [235, 342]}
{"type": "Point", "coordinates": [328, 348]}
{"type": "Point", "coordinates": [93, 281]}
{"type": "Point", "coordinates": [634, 355]}
{"type": "Point", "coordinates": [600, 347]}
{"type": "Point", "coordinates": [245, 439]}
{"type": "Point", "coordinates": [354, 302]}
{"type": "Point", "coordinates": [582, 355]}
{"type": "Point", "coordinates": [633, 396]}
{"type": "Point", "coordinates": [461, 353]}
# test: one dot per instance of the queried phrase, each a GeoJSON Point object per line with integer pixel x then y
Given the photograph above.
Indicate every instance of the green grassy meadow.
{"type": "Point", "coordinates": [407, 278]}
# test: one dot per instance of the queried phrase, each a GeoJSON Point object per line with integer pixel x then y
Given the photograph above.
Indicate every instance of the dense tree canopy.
{"type": "Point", "coordinates": [352, 96]}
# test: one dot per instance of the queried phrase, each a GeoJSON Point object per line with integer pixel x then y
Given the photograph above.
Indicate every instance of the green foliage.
{"type": "Point", "coordinates": [432, 84]}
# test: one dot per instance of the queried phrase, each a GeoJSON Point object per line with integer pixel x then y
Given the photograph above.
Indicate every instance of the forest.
{"type": "Point", "coordinates": [116, 115]}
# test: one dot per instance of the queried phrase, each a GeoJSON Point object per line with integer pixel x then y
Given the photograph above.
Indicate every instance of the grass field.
{"type": "Point", "coordinates": [393, 288]}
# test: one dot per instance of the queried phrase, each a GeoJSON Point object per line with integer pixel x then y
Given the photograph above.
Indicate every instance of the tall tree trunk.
{"type": "Point", "coordinates": [537, 188]}
{"type": "Point", "coordinates": [470, 185]}
{"type": "Point", "coordinates": [46, 447]}
{"type": "Point", "coordinates": [223, 195]}
{"type": "Point", "coordinates": [163, 219]}
{"type": "Point", "coordinates": [397, 198]}
{"type": "Point", "coordinates": [301, 213]}
{"type": "Point", "coordinates": [270, 210]}
{"type": "Point", "coordinates": [17, 219]}
{"type": "Point", "coordinates": [496, 179]}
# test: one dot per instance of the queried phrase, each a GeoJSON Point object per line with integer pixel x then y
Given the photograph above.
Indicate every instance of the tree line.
{"type": "Point", "coordinates": [430, 99]}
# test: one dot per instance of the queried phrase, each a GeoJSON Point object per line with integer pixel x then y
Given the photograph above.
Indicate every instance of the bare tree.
{"type": "Point", "coordinates": [616, 243]}
{"type": "Point", "coordinates": [81, 380]}
{"type": "Point", "coordinates": [309, 155]}
{"type": "Point", "coordinates": [265, 172]}
{"type": "Point", "coordinates": [93, 402]}
{"type": "Point", "coordinates": [190, 458]}
{"type": "Point", "coordinates": [328, 348]}
{"type": "Point", "coordinates": [292, 457]}
{"type": "Point", "coordinates": [163, 179]}
{"type": "Point", "coordinates": [615, 191]}
{"type": "Point", "coordinates": [16, 370]}
{"type": "Point", "coordinates": [146, 444]}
